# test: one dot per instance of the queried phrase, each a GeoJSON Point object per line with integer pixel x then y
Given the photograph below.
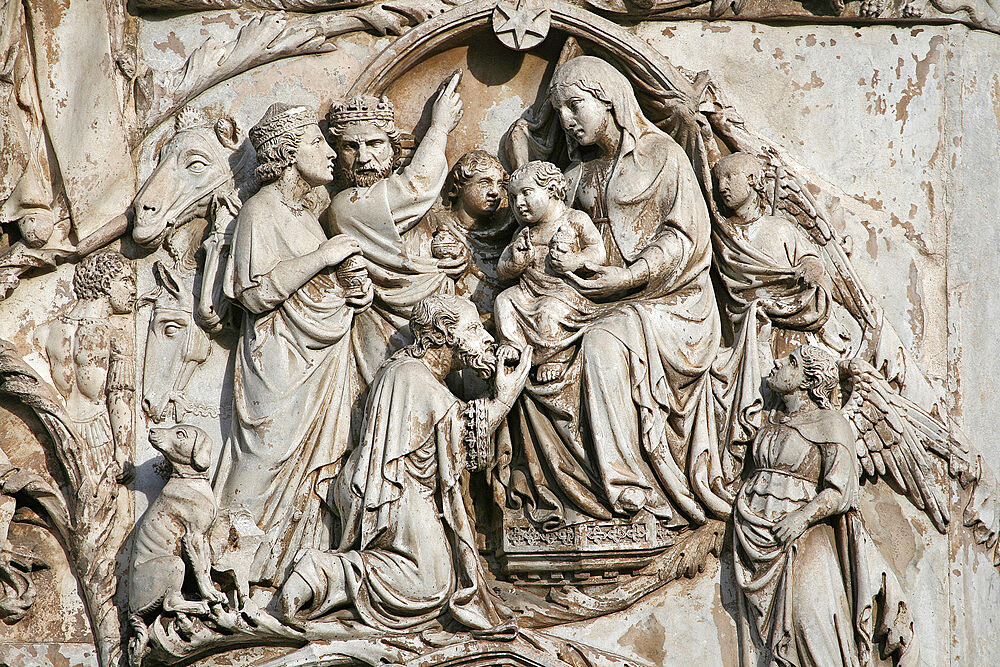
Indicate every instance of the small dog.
{"type": "Point", "coordinates": [184, 532]}
{"type": "Point", "coordinates": [173, 535]}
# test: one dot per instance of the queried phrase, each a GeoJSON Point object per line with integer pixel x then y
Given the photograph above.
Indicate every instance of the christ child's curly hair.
{"type": "Point", "coordinates": [546, 175]}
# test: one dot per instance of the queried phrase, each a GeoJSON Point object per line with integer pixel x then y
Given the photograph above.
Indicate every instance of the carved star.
{"type": "Point", "coordinates": [515, 23]}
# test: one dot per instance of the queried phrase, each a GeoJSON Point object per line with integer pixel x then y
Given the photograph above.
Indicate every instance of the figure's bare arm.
{"type": "Point", "coordinates": [591, 244]}
{"type": "Point", "coordinates": [40, 340]}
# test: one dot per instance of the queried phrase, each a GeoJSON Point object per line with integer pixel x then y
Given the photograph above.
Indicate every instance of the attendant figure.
{"type": "Point", "coordinates": [407, 557]}
{"type": "Point", "coordinates": [808, 572]}
{"type": "Point", "coordinates": [471, 225]}
{"type": "Point", "coordinates": [771, 271]}
{"type": "Point", "coordinates": [90, 347]}
{"type": "Point", "coordinates": [379, 206]}
{"type": "Point", "coordinates": [294, 383]}
{"type": "Point", "coordinates": [544, 310]}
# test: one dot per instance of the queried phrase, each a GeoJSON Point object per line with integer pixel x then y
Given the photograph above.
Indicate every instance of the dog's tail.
{"type": "Point", "coordinates": [138, 641]}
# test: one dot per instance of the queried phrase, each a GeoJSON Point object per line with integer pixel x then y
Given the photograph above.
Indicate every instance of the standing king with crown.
{"type": "Point", "coordinates": [378, 205]}
{"type": "Point", "coordinates": [294, 381]}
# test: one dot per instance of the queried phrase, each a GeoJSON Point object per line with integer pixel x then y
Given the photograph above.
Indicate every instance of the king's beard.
{"type": "Point", "coordinates": [481, 361]}
{"type": "Point", "coordinates": [364, 178]}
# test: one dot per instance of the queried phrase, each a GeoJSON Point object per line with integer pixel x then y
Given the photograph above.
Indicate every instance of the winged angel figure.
{"type": "Point", "coordinates": [899, 418]}
{"type": "Point", "coordinates": [803, 560]}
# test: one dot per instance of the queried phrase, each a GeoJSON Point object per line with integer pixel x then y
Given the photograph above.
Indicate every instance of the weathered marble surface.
{"type": "Point", "coordinates": [905, 121]}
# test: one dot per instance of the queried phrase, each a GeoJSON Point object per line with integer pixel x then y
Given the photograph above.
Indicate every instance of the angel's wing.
{"type": "Point", "coordinates": [789, 195]}
{"type": "Point", "coordinates": [893, 438]}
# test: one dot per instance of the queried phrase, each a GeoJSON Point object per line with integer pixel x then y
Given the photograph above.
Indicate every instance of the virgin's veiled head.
{"type": "Point", "coordinates": [590, 77]}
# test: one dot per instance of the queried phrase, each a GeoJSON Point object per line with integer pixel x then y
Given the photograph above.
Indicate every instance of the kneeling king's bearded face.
{"type": "Point", "coordinates": [473, 344]}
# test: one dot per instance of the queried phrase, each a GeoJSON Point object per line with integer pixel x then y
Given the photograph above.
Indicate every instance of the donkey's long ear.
{"type": "Point", "coordinates": [228, 133]}
{"type": "Point", "coordinates": [201, 451]}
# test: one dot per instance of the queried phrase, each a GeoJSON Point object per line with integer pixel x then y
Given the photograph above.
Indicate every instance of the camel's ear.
{"type": "Point", "coordinates": [201, 452]}
{"type": "Point", "coordinates": [228, 133]}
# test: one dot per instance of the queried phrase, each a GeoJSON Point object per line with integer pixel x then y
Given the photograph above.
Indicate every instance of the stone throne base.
{"type": "Point", "coordinates": [588, 552]}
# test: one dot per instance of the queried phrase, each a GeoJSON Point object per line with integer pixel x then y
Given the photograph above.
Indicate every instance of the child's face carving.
{"type": "Point", "coordinates": [483, 193]}
{"type": "Point", "coordinates": [530, 201]}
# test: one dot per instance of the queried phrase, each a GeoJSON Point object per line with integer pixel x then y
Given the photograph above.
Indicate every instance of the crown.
{"type": "Point", "coordinates": [361, 108]}
{"type": "Point", "coordinates": [279, 119]}
{"type": "Point", "coordinates": [189, 118]}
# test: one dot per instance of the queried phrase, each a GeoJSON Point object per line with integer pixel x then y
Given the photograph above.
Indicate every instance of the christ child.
{"type": "Point", "coordinates": [543, 309]}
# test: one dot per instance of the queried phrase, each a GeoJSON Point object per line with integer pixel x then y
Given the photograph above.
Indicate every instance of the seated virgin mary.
{"type": "Point", "coordinates": [632, 425]}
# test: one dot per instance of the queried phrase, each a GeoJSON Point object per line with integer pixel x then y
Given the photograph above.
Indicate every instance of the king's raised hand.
{"type": "Point", "coordinates": [447, 109]}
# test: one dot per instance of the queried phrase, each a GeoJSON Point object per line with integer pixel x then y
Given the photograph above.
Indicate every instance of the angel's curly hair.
{"type": "Point", "coordinates": [93, 275]}
{"type": "Point", "coordinates": [822, 374]}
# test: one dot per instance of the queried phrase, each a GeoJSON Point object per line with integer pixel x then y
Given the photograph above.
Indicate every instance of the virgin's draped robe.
{"type": "Point", "coordinates": [809, 602]}
{"type": "Point", "coordinates": [407, 554]}
{"type": "Point", "coordinates": [636, 410]}
{"type": "Point", "coordinates": [377, 217]}
{"type": "Point", "coordinates": [294, 384]}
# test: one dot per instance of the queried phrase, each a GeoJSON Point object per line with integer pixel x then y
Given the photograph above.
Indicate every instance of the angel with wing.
{"type": "Point", "coordinates": [772, 271]}
{"type": "Point", "coordinates": [813, 587]}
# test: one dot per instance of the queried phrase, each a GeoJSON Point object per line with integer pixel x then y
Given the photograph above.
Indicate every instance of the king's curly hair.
{"type": "Point", "coordinates": [822, 374]}
{"type": "Point", "coordinates": [274, 158]}
{"type": "Point", "coordinates": [94, 274]}
{"type": "Point", "coordinates": [432, 323]}
{"type": "Point", "coordinates": [546, 175]}
{"type": "Point", "coordinates": [472, 163]}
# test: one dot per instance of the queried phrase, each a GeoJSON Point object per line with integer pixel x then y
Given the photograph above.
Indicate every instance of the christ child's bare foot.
{"type": "Point", "coordinates": [549, 372]}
